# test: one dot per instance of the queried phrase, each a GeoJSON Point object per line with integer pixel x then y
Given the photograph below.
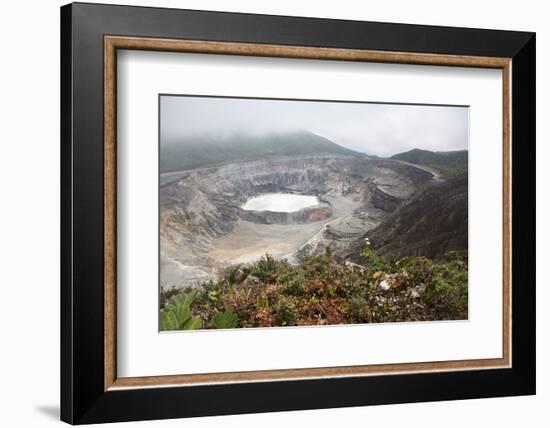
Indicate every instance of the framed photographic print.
{"type": "Point", "coordinates": [265, 213]}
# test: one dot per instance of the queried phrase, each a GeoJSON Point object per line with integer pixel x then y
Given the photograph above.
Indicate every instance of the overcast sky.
{"type": "Point", "coordinates": [376, 129]}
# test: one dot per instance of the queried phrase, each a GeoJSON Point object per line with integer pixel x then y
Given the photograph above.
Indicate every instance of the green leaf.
{"type": "Point", "coordinates": [183, 313]}
{"type": "Point", "coordinates": [177, 314]}
{"type": "Point", "coordinates": [185, 299]}
{"type": "Point", "coordinates": [168, 320]}
{"type": "Point", "coordinates": [192, 323]}
{"type": "Point", "coordinates": [225, 319]}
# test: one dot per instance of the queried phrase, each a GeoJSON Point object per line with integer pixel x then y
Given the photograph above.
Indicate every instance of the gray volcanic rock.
{"type": "Point", "coordinates": [431, 224]}
{"type": "Point", "coordinates": [203, 229]}
{"type": "Point", "coordinates": [383, 200]}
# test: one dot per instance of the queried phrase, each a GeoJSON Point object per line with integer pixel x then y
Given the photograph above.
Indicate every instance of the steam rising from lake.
{"type": "Point", "coordinates": [280, 202]}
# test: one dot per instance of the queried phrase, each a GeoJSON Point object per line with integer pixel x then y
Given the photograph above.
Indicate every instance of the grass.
{"type": "Point", "coordinates": [320, 291]}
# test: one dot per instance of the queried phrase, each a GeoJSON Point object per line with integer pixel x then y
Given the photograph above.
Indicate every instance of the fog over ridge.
{"type": "Point", "coordinates": [375, 129]}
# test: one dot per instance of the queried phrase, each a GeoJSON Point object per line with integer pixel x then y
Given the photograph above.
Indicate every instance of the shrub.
{"type": "Point", "coordinates": [295, 287]}
{"type": "Point", "coordinates": [356, 309]}
{"type": "Point", "coordinates": [177, 313]}
{"type": "Point", "coordinates": [446, 294]}
{"type": "Point", "coordinates": [226, 319]}
{"type": "Point", "coordinates": [373, 261]}
{"type": "Point", "coordinates": [285, 312]}
{"type": "Point", "coordinates": [318, 290]}
{"type": "Point", "coordinates": [265, 268]}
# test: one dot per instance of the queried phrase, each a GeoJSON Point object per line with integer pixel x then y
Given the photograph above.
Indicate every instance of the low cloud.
{"type": "Point", "coordinates": [376, 129]}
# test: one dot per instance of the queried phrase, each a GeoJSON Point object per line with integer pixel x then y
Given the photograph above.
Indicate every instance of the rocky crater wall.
{"type": "Point", "coordinates": [306, 215]}
{"type": "Point", "coordinates": [383, 200]}
{"type": "Point", "coordinates": [199, 207]}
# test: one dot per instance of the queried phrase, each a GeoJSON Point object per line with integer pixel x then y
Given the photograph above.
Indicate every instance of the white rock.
{"type": "Point", "coordinates": [415, 294]}
{"type": "Point", "coordinates": [384, 285]}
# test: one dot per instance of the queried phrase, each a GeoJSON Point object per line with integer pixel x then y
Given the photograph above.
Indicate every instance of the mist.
{"type": "Point", "coordinates": [374, 129]}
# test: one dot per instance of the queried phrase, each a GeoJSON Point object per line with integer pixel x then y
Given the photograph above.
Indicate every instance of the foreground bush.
{"type": "Point", "coordinates": [320, 291]}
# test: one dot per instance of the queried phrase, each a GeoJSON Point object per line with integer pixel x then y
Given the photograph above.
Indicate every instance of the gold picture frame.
{"type": "Point", "coordinates": [114, 43]}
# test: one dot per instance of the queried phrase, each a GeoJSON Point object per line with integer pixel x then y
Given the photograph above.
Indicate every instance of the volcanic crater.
{"type": "Point", "coordinates": [206, 225]}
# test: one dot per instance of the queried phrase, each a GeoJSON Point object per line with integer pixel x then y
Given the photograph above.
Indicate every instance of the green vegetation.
{"type": "Point", "coordinates": [201, 151]}
{"type": "Point", "coordinates": [177, 313]}
{"type": "Point", "coordinates": [448, 164]}
{"type": "Point", "coordinates": [320, 291]}
{"type": "Point", "coordinates": [226, 319]}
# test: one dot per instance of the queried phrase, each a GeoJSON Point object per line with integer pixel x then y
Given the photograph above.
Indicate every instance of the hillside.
{"type": "Point", "coordinates": [430, 225]}
{"type": "Point", "coordinates": [450, 164]}
{"type": "Point", "coordinates": [200, 151]}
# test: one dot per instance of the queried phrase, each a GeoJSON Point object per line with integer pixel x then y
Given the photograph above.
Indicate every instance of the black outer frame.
{"type": "Point", "coordinates": [83, 399]}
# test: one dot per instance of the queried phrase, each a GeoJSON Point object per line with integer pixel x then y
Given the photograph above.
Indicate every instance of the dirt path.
{"type": "Point", "coordinates": [436, 175]}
